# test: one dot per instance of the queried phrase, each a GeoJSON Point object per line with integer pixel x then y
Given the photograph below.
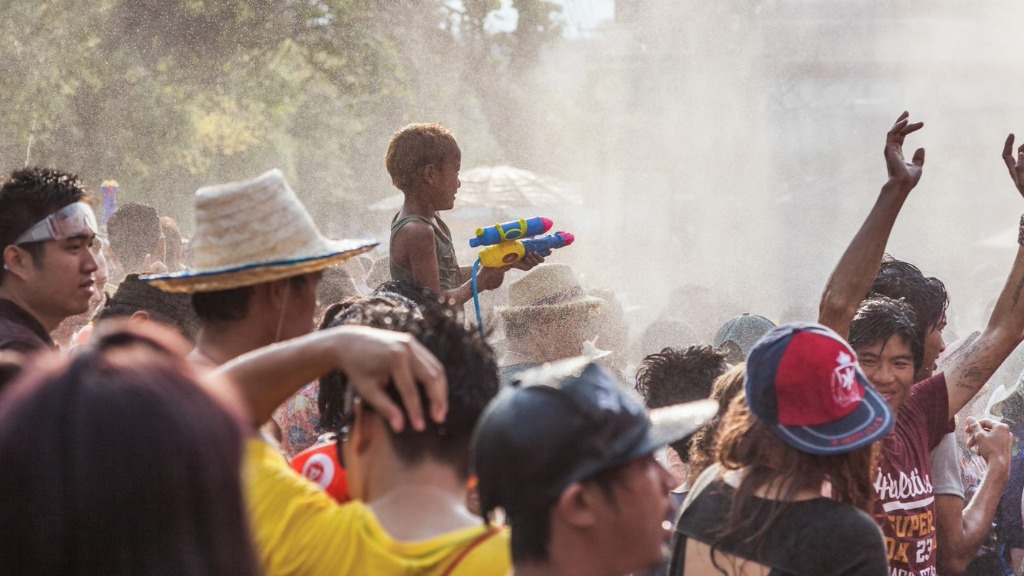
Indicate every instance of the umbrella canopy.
{"type": "Point", "coordinates": [394, 203]}
{"type": "Point", "coordinates": [502, 187]}
{"type": "Point", "coordinates": [509, 187]}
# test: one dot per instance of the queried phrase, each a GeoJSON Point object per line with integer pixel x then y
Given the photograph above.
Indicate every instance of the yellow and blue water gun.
{"type": "Point", "coordinates": [507, 243]}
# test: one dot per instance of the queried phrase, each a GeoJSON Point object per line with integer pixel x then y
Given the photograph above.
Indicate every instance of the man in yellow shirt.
{"type": "Point", "coordinates": [408, 514]}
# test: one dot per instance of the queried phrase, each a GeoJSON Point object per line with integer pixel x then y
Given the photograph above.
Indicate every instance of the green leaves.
{"type": "Point", "coordinates": [169, 95]}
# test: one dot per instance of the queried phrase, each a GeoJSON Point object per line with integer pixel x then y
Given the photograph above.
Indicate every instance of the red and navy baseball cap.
{"type": "Point", "coordinates": [803, 380]}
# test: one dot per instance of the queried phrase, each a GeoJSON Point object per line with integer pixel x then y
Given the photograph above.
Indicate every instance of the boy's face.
{"type": "Point", "coordinates": [889, 366]}
{"type": "Point", "coordinates": [446, 181]}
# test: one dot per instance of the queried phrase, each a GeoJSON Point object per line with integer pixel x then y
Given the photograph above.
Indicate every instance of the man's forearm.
{"type": "Point", "coordinates": [265, 378]}
{"type": "Point", "coordinates": [859, 265]}
{"type": "Point", "coordinates": [966, 376]}
{"type": "Point", "coordinates": [456, 297]}
{"type": "Point", "coordinates": [979, 513]}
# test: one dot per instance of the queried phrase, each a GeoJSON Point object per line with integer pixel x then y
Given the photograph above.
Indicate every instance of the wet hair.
{"type": "Point", "coordinates": [228, 306]}
{"type": "Point", "coordinates": [133, 296]}
{"type": "Point", "coordinates": [222, 306]}
{"type": "Point", "coordinates": [167, 500]}
{"type": "Point", "coordinates": [418, 294]}
{"type": "Point", "coordinates": [747, 443]}
{"type": "Point", "coordinates": [133, 231]}
{"type": "Point", "coordinates": [926, 296]}
{"type": "Point", "coordinates": [29, 195]}
{"type": "Point", "coordinates": [172, 240]}
{"type": "Point", "coordinates": [333, 386]}
{"type": "Point", "coordinates": [470, 368]}
{"type": "Point", "coordinates": [880, 318]}
{"type": "Point", "coordinates": [412, 148]}
{"type": "Point", "coordinates": [702, 445]}
{"type": "Point", "coordinates": [673, 376]}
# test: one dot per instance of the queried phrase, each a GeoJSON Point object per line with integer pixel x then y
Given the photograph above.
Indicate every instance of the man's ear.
{"type": "Point", "coordinates": [577, 505]}
{"type": "Point", "coordinates": [140, 316]}
{"type": "Point", "coordinates": [279, 293]}
{"type": "Point", "coordinates": [364, 430]}
{"type": "Point", "coordinates": [16, 261]}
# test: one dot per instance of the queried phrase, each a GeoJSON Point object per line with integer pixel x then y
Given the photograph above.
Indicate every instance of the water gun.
{"type": "Point", "coordinates": [513, 251]}
{"type": "Point", "coordinates": [509, 242]}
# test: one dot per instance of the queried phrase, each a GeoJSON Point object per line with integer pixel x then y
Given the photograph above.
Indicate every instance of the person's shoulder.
{"type": "Point", "coordinates": [934, 384]}
{"type": "Point", "coordinates": [490, 555]}
{"type": "Point", "coordinates": [17, 337]}
{"type": "Point", "coordinates": [414, 229]}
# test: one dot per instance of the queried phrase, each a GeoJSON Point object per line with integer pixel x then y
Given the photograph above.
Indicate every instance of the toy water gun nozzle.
{"type": "Point", "coordinates": [514, 230]}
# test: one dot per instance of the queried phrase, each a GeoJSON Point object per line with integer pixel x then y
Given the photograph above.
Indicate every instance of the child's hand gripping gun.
{"type": "Point", "coordinates": [508, 243]}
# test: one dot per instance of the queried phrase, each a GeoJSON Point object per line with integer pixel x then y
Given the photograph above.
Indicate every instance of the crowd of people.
{"type": "Point", "coordinates": [167, 407]}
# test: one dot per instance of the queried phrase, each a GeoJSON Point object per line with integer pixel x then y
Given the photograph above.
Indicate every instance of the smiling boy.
{"type": "Point", "coordinates": [891, 349]}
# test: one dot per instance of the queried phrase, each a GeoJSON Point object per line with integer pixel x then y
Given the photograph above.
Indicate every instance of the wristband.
{"type": "Point", "coordinates": [1020, 234]}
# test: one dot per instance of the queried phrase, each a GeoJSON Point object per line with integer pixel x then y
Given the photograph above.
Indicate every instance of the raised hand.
{"type": "Point", "coordinates": [992, 439]}
{"type": "Point", "coordinates": [374, 358]}
{"type": "Point", "coordinates": [903, 174]}
{"type": "Point", "coordinates": [1014, 165]}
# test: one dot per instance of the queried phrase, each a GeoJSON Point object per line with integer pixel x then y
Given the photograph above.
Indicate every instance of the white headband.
{"type": "Point", "coordinates": [72, 220]}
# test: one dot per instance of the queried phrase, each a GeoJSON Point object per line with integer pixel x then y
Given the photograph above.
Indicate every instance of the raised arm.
{"type": "Point", "coordinates": [1005, 330]}
{"type": "Point", "coordinates": [852, 278]}
{"type": "Point", "coordinates": [371, 358]}
{"type": "Point", "coordinates": [961, 536]}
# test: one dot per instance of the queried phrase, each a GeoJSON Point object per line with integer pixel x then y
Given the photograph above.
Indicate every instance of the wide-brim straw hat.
{"type": "Point", "coordinates": [253, 232]}
{"type": "Point", "coordinates": [549, 289]}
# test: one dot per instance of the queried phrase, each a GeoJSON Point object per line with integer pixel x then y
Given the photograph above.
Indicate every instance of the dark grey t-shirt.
{"type": "Point", "coordinates": [20, 331]}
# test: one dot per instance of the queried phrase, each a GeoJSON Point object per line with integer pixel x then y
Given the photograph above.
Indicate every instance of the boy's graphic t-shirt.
{"type": "Point", "coordinates": [905, 507]}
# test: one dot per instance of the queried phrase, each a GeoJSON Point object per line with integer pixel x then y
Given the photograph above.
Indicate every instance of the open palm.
{"type": "Point", "coordinates": [906, 174]}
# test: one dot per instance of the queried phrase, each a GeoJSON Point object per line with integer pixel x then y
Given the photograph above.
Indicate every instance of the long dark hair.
{"type": "Point", "coordinates": [746, 443]}
{"type": "Point", "coordinates": [117, 462]}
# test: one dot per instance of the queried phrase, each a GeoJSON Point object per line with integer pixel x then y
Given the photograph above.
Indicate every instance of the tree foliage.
{"type": "Point", "coordinates": [169, 95]}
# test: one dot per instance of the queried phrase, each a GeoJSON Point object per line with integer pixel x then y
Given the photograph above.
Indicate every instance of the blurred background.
{"type": "Point", "coordinates": [729, 147]}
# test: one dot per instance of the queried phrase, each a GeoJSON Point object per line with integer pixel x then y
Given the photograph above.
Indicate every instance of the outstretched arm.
{"type": "Point", "coordinates": [852, 278]}
{"type": "Point", "coordinates": [417, 240]}
{"type": "Point", "coordinates": [1005, 330]}
{"type": "Point", "coordinates": [371, 358]}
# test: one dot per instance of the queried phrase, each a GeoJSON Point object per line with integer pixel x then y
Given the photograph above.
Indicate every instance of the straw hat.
{"type": "Point", "coordinates": [548, 288]}
{"type": "Point", "coordinates": [253, 232]}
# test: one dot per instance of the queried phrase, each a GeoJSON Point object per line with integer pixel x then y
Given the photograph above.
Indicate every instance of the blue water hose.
{"type": "Point", "coordinates": [476, 300]}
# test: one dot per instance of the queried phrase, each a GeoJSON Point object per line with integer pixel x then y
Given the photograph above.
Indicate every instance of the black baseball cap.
{"type": "Point", "coordinates": [563, 423]}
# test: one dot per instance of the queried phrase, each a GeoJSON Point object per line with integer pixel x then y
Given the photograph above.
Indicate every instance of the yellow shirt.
{"type": "Point", "coordinates": [299, 529]}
